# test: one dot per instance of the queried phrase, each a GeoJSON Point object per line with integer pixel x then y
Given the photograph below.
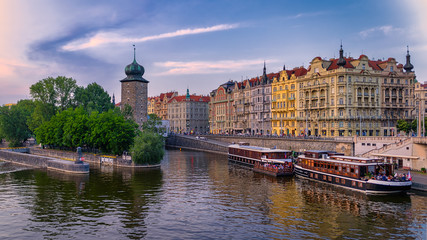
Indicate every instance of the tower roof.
{"type": "Point", "coordinates": [134, 71]}
{"type": "Point", "coordinates": [408, 66]}
{"type": "Point", "coordinates": [341, 61]}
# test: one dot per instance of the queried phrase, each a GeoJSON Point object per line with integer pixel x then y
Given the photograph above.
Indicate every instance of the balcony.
{"type": "Point", "coordinates": [291, 98]}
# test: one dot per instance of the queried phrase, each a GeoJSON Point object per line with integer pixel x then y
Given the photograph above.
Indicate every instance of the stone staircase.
{"type": "Point", "coordinates": [388, 147]}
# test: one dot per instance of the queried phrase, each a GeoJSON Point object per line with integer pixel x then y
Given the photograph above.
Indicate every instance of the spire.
{"type": "Point", "coordinates": [408, 66]}
{"type": "Point", "coordinates": [187, 97]}
{"type": "Point", "coordinates": [134, 53]}
{"type": "Point", "coordinates": [264, 75]}
{"type": "Point", "coordinates": [114, 100]}
{"type": "Point", "coordinates": [284, 68]}
{"type": "Point", "coordinates": [341, 61]}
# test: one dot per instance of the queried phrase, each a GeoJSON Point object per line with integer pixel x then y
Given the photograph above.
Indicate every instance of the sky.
{"type": "Point", "coordinates": [196, 44]}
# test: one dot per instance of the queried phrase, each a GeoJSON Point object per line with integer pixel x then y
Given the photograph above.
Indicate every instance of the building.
{"type": "Point", "coordinates": [347, 97]}
{"type": "Point", "coordinates": [158, 104]}
{"type": "Point", "coordinates": [240, 107]}
{"type": "Point", "coordinates": [420, 107]}
{"type": "Point", "coordinates": [341, 96]}
{"type": "Point", "coordinates": [284, 102]}
{"type": "Point", "coordinates": [188, 114]}
{"type": "Point", "coordinates": [260, 94]}
{"type": "Point", "coordinates": [221, 110]}
{"type": "Point", "coordinates": [134, 91]}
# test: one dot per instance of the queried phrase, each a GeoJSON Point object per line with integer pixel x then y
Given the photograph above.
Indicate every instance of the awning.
{"type": "Point", "coordinates": [394, 156]}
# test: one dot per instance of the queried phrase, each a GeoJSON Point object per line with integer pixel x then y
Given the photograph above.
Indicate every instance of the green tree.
{"type": "Point", "coordinates": [152, 124]}
{"type": "Point", "coordinates": [403, 125]}
{"type": "Point", "coordinates": [42, 113]}
{"type": "Point", "coordinates": [111, 132]}
{"type": "Point", "coordinates": [127, 112]}
{"type": "Point", "coordinates": [13, 122]}
{"type": "Point", "coordinates": [148, 148]}
{"type": "Point", "coordinates": [76, 128]}
{"type": "Point", "coordinates": [93, 98]}
{"type": "Point", "coordinates": [55, 91]}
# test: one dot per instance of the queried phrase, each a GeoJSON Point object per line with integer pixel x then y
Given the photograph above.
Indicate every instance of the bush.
{"type": "Point", "coordinates": [423, 170]}
{"type": "Point", "coordinates": [147, 148]}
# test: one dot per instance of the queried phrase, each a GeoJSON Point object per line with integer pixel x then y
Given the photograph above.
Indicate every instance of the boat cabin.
{"type": "Point", "coordinates": [338, 164]}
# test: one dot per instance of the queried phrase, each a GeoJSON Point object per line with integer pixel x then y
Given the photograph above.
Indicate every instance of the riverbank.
{"type": "Point", "coordinates": [22, 156]}
{"type": "Point", "coordinates": [419, 180]}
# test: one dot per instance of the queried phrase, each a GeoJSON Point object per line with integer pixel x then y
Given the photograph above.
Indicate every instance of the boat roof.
{"type": "Point", "coordinates": [348, 160]}
{"type": "Point", "coordinates": [259, 149]}
{"type": "Point", "coordinates": [277, 160]}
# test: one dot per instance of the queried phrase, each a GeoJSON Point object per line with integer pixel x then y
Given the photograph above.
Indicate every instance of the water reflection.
{"type": "Point", "coordinates": [197, 196]}
{"type": "Point", "coordinates": [102, 205]}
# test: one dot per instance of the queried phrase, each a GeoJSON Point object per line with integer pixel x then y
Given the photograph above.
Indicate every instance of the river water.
{"type": "Point", "coordinates": [196, 195]}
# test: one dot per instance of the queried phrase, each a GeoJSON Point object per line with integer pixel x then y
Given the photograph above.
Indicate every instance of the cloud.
{"type": "Point", "coordinates": [106, 37]}
{"type": "Point", "coordinates": [308, 14]}
{"type": "Point", "coordinates": [386, 30]}
{"type": "Point", "coordinates": [207, 67]}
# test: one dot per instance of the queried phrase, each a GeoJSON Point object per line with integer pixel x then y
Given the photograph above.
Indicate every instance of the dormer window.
{"type": "Point", "coordinates": [391, 69]}
{"type": "Point", "coordinates": [363, 66]}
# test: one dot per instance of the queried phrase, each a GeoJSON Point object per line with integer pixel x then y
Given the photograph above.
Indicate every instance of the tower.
{"type": "Point", "coordinates": [341, 61]}
{"type": "Point", "coordinates": [134, 90]}
{"type": "Point", "coordinates": [408, 66]}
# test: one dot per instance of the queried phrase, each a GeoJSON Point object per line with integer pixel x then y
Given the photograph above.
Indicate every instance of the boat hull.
{"type": "Point", "coordinates": [367, 186]}
{"type": "Point", "coordinates": [274, 174]}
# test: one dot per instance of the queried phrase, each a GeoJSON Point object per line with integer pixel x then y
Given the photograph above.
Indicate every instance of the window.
{"type": "Point", "coordinates": [363, 66]}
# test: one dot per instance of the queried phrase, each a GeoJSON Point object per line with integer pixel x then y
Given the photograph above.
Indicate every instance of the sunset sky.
{"type": "Point", "coordinates": [196, 44]}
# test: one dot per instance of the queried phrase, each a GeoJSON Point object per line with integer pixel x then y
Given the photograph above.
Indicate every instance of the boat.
{"type": "Point", "coordinates": [368, 175]}
{"type": "Point", "coordinates": [270, 161]}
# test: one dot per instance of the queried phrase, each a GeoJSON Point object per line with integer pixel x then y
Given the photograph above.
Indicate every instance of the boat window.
{"type": "Point", "coordinates": [343, 169]}
{"type": "Point", "coordinates": [352, 169]}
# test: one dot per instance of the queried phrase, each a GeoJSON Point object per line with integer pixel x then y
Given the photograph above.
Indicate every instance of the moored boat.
{"type": "Point", "coordinates": [372, 176]}
{"type": "Point", "coordinates": [271, 161]}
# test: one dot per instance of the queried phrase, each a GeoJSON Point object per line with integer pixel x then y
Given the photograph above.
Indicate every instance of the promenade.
{"type": "Point", "coordinates": [419, 180]}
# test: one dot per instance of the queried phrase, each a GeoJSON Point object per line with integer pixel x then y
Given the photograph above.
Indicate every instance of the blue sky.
{"type": "Point", "coordinates": [199, 44]}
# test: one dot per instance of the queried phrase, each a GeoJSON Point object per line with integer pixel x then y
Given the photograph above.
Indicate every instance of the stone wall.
{"type": "Point", "coordinates": [43, 162]}
{"type": "Point", "coordinates": [190, 143]}
{"type": "Point", "coordinates": [88, 157]}
{"type": "Point", "coordinates": [24, 159]}
{"type": "Point", "coordinates": [294, 144]}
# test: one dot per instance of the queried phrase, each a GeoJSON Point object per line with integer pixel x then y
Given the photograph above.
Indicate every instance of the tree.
{"type": "Point", "coordinates": [108, 131]}
{"type": "Point", "coordinates": [57, 92]}
{"type": "Point", "coordinates": [127, 112]}
{"type": "Point", "coordinates": [147, 148]}
{"type": "Point", "coordinates": [111, 132]}
{"type": "Point", "coordinates": [152, 124]}
{"type": "Point", "coordinates": [13, 122]}
{"type": "Point", "coordinates": [93, 98]}
{"type": "Point", "coordinates": [403, 125]}
{"type": "Point", "coordinates": [42, 113]}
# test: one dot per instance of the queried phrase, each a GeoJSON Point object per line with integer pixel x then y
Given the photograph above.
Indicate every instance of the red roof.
{"type": "Point", "coordinates": [375, 65]}
{"type": "Point", "coordinates": [194, 98]}
{"type": "Point", "coordinates": [335, 66]}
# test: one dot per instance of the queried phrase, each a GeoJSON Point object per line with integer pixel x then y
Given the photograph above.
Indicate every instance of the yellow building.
{"type": "Point", "coordinates": [284, 102]}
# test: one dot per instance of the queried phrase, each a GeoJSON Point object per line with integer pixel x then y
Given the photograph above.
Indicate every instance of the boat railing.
{"type": "Point", "coordinates": [398, 178]}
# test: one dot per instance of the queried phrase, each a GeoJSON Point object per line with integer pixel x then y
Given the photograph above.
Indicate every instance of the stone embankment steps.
{"type": "Point", "coordinates": [388, 147]}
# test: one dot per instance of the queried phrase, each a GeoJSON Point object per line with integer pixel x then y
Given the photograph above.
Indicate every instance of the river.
{"type": "Point", "coordinates": [196, 195]}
